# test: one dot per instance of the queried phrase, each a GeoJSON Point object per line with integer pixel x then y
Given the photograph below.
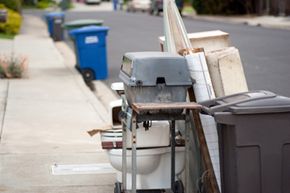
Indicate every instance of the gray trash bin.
{"type": "Point", "coordinates": [55, 22]}
{"type": "Point", "coordinates": [58, 34]}
{"type": "Point", "coordinates": [3, 15]}
{"type": "Point", "coordinates": [254, 138]}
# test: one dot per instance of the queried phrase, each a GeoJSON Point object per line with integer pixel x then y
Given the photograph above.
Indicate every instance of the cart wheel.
{"type": "Point", "coordinates": [88, 74]}
{"type": "Point", "coordinates": [118, 187]}
{"type": "Point", "coordinates": [178, 187]}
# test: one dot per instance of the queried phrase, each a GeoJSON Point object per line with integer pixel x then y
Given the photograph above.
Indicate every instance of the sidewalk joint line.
{"type": "Point", "coordinates": [4, 111]}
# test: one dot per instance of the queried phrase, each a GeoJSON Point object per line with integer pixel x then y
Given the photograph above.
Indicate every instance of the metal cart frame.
{"type": "Point", "coordinates": [134, 114]}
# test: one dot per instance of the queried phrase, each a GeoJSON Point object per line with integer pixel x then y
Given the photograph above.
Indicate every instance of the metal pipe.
{"type": "Point", "coordinates": [172, 129]}
{"type": "Point", "coordinates": [134, 153]}
{"type": "Point", "coordinates": [124, 155]}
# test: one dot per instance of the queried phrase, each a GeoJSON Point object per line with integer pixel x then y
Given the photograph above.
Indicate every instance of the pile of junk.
{"type": "Point", "coordinates": [154, 154]}
{"type": "Point", "coordinates": [145, 80]}
{"type": "Point", "coordinates": [186, 122]}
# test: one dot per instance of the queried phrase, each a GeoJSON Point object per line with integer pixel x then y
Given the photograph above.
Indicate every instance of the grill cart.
{"type": "Point", "coordinates": [155, 85]}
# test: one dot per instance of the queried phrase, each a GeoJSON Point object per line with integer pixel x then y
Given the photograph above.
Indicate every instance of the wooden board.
{"type": "Point", "coordinates": [210, 181]}
{"type": "Point", "coordinates": [139, 107]}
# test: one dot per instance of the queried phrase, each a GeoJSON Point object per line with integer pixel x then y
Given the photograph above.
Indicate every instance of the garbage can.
{"type": "Point", "coordinates": [55, 22]}
{"type": "Point", "coordinates": [82, 23]}
{"type": "Point", "coordinates": [91, 53]}
{"type": "Point", "coordinates": [3, 15]}
{"type": "Point", "coordinates": [254, 138]}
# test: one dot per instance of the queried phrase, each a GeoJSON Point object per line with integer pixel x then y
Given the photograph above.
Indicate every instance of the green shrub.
{"type": "Point", "coordinates": [198, 6]}
{"type": "Point", "coordinates": [13, 23]}
{"type": "Point", "coordinates": [6, 36]}
{"type": "Point", "coordinates": [42, 4]}
{"type": "Point", "coordinates": [12, 4]}
{"type": "Point", "coordinates": [209, 7]}
{"type": "Point", "coordinates": [65, 4]}
{"type": "Point", "coordinates": [222, 7]}
{"type": "Point", "coordinates": [28, 2]}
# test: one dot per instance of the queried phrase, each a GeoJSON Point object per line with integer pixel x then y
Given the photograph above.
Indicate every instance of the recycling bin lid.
{"type": "Point", "coordinates": [88, 29]}
{"type": "Point", "coordinates": [55, 14]}
{"type": "Point", "coordinates": [83, 22]}
{"type": "Point", "coordinates": [255, 102]}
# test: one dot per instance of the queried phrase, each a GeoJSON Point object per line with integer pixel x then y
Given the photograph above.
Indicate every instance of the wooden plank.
{"type": "Point", "coordinates": [210, 181]}
{"type": "Point", "coordinates": [139, 107]}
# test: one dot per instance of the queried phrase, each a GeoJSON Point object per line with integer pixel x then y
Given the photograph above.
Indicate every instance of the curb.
{"type": "Point", "coordinates": [101, 93]}
{"type": "Point", "coordinates": [69, 61]}
{"type": "Point", "coordinates": [104, 94]}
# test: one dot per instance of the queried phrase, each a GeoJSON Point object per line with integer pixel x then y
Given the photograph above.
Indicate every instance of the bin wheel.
{"type": "Point", "coordinates": [178, 187]}
{"type": "Point", "coordinates": [118, 187]}
{"type": "Point", "coordinates": [88, 74]}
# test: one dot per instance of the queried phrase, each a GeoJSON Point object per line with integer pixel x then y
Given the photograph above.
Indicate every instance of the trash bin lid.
{"type": "Point", "coordinates": [277, 104]}
{"type": "Point", "coordinates": [55, 14]}
{"type": "Point", "coordinates": [88, 29]}
{"type": "Point", "coordinates": [3, 11]}
{"type": "Point", "coordinates": [82, 23]}
{"type": "Point", "coordinates": [255, 102]}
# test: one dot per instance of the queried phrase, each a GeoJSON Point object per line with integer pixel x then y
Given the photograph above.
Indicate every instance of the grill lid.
{"type": "Point", "coordinates": [152, 68]}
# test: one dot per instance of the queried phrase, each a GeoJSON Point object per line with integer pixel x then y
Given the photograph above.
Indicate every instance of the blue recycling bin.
{"type": "Point", "coordinates": [54, 22]}
{"type": "Point", "coordinates": [91, 51]}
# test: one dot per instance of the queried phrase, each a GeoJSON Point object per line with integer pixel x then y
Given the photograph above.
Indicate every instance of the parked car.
{"type": "Point", "coordinates": [138, 5]}
{"type": "Point", "coordinates": [92, 1]}
{"type": "Point", "coordinates": [157, 6]}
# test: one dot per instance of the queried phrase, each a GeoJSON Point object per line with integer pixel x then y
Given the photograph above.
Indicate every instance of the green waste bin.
{"type": "Point", "coordinates": [82, 23]}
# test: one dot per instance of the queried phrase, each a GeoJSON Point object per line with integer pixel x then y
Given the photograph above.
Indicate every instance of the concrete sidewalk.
{"type": "Point", "coordinates": [44, 119]}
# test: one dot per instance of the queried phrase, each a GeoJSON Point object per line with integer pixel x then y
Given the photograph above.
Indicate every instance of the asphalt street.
{"type": "Point", "coordinates": [264, 52]}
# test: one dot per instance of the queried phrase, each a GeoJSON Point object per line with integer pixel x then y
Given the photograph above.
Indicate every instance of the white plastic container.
{"type": "Point", "coordinates": [156, 136]}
